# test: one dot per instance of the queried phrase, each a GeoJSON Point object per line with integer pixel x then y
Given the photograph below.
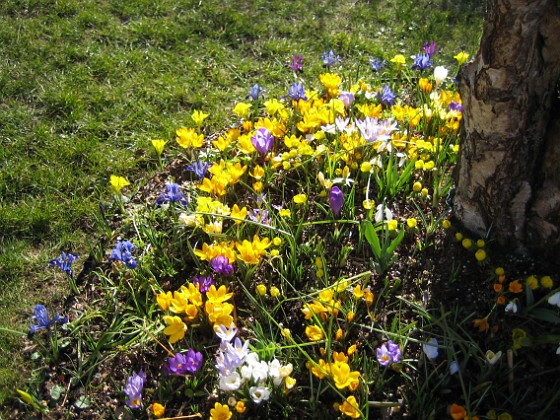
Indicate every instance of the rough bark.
{"type": "Point", "coordinates": [508, 172]}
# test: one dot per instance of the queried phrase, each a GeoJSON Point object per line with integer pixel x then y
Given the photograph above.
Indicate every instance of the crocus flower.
{"type": "Point", "coordinates": [123, 252]}
{"type": "Point", "coordinates": [388, 353]}
{"type": "Point", "coordinates": [262, 140]}
{"type": "Point", "coordinates": [430, 48]}
{"type": "Point", "coordinates": [554, 299]}
{"type": "Point", "coordinates": [386, 96]}
{"type": "Point", "coordinates": [431, 349]}
{"type": "Point", "coordinates": [41, 317]}
{"type": "Point", "coordinates": [440, 74]}
{"type": "Point", "coordinates": [255, 92]}
{"type": "Point", "coordinates": [173, 194]}
{"type": "Point", "coordinates": [204, 283]}
{"type": "Point", "coordinates": [422, 62]}
{"type": "Point", "coordinates": [336, 200]}
{"type": "Point", "coordinates": [455, 106]}
{"type": "Point", "coordinates": [329, 58]}
{"type": "Point", "coordinates": [297, 63]}
{"type": "Point", "coordinates": [221, 265]}
{"type": "Point", "coordinates": [297, 92]}
{"type": "Point", "coordinates": [347, 98]}
{"type": "Point", "coordinates": [377, 64]}
{"type": "Point", "coordinates": [199, 168]}
{"type": "Point", "coordinates": [133, 389]}
{"type": "Point", "coordinates": [65, 263]}
{"type": "Point", "coordinates": [193, 361]}
{"type": "Point", "coordinates": [178, 364]}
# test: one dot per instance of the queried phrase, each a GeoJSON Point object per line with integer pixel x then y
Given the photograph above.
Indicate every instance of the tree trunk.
{"type": "Point", "coordinates": [508, 171]}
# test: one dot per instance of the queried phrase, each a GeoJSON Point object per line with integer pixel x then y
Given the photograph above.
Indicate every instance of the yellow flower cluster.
{"type": "Point", "coordinates": [184, 306]}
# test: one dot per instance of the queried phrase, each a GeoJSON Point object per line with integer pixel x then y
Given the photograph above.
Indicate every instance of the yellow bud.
{"type": "Point", "coordinates": [261, 289]}
{"type": "Point", "coordinates": [274, 292]}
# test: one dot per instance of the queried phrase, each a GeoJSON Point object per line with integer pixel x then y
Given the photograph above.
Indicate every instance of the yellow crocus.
{"type": "Point", "coordinates": [118, 183]}
{"type": "Point", "coordinates": [175, 328]}
{"type": "Point", "coordinates": [198, 117]}
{"type": "Point", "coordinates": [159, 145]}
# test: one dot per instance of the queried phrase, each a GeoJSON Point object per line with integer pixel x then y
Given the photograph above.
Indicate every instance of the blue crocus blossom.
{"type": "Point", "coordinates": [422, 62]}
{"type": "Point", "coordinates": [123, 252]}
{"type": "Point", "coordinates": [133, 389]}
{"type": "Point", "coordinates": [65, 263]}
{"type": "Point", "coordinates": [386, 96]}
{"type": "Point", "coordinates": [297, 92]}
{"type": "Point", "coordinates": [173, 194]}
{"type": "Point", "coordinates": [42, 321]}
{"type": "Point", "coordinates": [199, 168]}
{"type": "Point", "coordinates": [376, 64]}
{"type": "Point", "coordinates": [329, 58]}
{"type": "Point", "coordinates": [255, 92]}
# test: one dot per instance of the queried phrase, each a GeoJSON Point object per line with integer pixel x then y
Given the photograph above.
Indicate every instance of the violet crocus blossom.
{"type": "Point", "coordinates": [133, 389]}
{"type": "Point", "coordinates": [297, 92]}
{"type": "Point", "coordinates": [386, 96]}
{"type": "Point", "coordinates": [177, 364]}
{"type": "Point", "coordinates": [329, 58]}
{"type": "Point", "coordinates": [255, 92]}
{"type": "Point", "coordinates": [336, 200]}
{"type": "Point", "coordinates": [41, 317]}
{"type": "Point", "coordinates": [221, 265]}
{"type": "Point", "coordinates": [193, 361]}
{"type": "Point", "coordinates": [173, 194]}
{"type": "Point", "coordinates": [123, 252]}
{"type": "Point", "coordinates": [64, 261]}
{"type": "Point", "coordinates": [430, 48]}
{"type": "Point", "coordinates": [347, 98]}
{"type": "Point", "coordinates": [204, 283]}
{"type": "Point", "coordinates": [199, 168]}
{"type": "Point", "coordinates": [297, 63]}
{"type": "Point", "coordinates": [376, 64]}
{"type": "Point", "coordinates": [455, 106]}
{"type": "Point", "coordinates": [262, 140]}
{"type": "Point", "coordinates": [388, 353]}
{"type": "Point", "coordinates": [422, 62]}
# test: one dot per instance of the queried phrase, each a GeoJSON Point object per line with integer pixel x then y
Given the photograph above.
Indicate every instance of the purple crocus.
{"type": "Point", "coordinates": [346, 97]}
{"type": "Point", "coordinates": [329, 58]}
{"type": "Point", "coordinates": [297, 92]}
{"type": "Point", "coordinates": [183, 363]}
{"type": "Point", "coordinates": [65, 263]}
{"type": "Point", "coordinates": [221, 265]}
{"type": "Point", "coordinates": [193, 361]}
{"type": "Point", "coordinates": [422, 62]}
{"type": "Point", "coordinates": [262, 140]}
{"type": "Point", "coordinates": [173, 194]}
{"type": "Point", "coordinates": [199, 168]}
{"type": "Point", "coordinates": [297, 63]}
{"type": "Point", "coordinates": [255, 92]}
{"type": "Point", "coordinates": [376, 64]}
{"type": "Point", "coordinates": [455, 106]}
{"type": "Point", "coordinates": [204, 283]}
{"type": "Point", "coordinates": [388, 353]}
{"type": "Point", "coordinates": [41, 317]}
{"type": "Point", "coordinates": [336, 200]}
{"type": "Point", "coordinates": [133, 389]}
{"type": "Point", "coordinates": [386, 96]}
{"type": "Point", "coordinates": [430, 48]}
{"type": "Point", "coordinates": [123, 252]}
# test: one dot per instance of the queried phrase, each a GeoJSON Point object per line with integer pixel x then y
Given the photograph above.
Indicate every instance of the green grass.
{"type": "Point", "coordinates": [85, 86]}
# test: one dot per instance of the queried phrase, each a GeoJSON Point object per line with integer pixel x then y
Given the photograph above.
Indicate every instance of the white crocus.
{"type": "Point", "coordinates": [440, 74]}
{"type": "Point", "coordinates": [492, 357]}
{"type": "Point", "coordinates": [231, 382]}
{"type": "Point", "coordinates": [259, 393]}
{"type": "Point", "coordinates": [431, 349]}
{"type": "Point", "coordinates": [383, 213]}
{"type": "Point", "coordinates": [555, 299]}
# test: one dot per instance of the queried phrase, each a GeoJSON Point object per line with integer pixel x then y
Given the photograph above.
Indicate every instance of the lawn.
{"type": "Point", "coordinates": [256, 234]}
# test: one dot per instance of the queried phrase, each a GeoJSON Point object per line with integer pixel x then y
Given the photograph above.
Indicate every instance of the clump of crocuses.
{"type": "Point", "coordinates": [181, 363]}
{"type": "Point", "coordinates": [388, 353]}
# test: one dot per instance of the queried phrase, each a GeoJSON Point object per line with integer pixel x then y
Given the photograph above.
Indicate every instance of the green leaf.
{"type": "Point", "coordinates": [545, 315]}
{"type": "Point", "coordinates": [56, 392]}
{"type": "Point", "coordinates": [372, 238]}
{"type": "Point", "coordinates": [82, 402]}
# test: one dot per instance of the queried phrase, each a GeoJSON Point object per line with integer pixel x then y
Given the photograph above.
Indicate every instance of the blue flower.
{"type": "Point", "coordinates": [65, 263]}
{"type": "Point", "coordinates": [422, 62]}
{"type": "Point", "coordinates": [386, 96]}
{"type": "Point", "coordinates": [173, 195]}
{"type": "Point", "coordinates": [329, 58]}
{"type": "Point", "coordinates": [255, 92]}
{"type": "Point", "coordinates": [41, 317]}
{"type": "Point", "coordinates": [388, 353]}
{"type": "Point", "coordinates": [262, 140]}
{"type": "Point", "coordinates": [123, 252]}
{"type": "Point", "coordinates": [376, 64]}
{"type": "Point", "coordinates": [199, 168]}
{"type": "Point", "coordinates": [297, 92]}
{"type": "Point", "coordinates": [133, 389]}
